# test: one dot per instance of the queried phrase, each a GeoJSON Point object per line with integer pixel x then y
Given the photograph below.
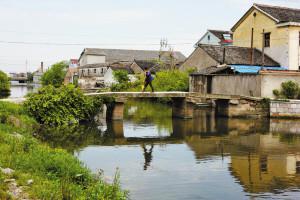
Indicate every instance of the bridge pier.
{"type": "Point", "coordinates": [182, 108]}
{"type": "Point", "coordinates": [115, 110]}
{"type": "Point", "coordinates": [243, 108]}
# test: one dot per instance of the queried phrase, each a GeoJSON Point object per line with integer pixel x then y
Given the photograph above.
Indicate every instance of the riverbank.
{"type": "Point", "coordinates": [38, 171]}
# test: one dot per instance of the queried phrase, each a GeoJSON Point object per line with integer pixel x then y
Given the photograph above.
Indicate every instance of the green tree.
{"type": "Point", "coordinates": [289, 90]}
{"type": "Point", "coordinates": [55, 75]}
{"type": "Point", "coordinates": [4, 83]}
{"type": "Point", "coordinates": [121, 76]}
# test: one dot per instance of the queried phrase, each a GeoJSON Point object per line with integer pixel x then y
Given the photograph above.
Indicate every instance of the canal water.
{"type": "Point", "coordinates": [205, 158]}
{"type": "Point", "coordinates": [19, 91]}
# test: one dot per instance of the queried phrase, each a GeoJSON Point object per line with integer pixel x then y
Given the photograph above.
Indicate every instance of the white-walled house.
{"type": "Point", "coordinates": [215, 37]}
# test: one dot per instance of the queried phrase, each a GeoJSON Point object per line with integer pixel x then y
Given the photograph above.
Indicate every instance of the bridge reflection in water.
{"type": "Point", "coordinates": [264, 154]}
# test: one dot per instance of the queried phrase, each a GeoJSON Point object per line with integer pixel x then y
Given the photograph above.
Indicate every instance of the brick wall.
{"type": "Point", "coordinates": [289, 109]}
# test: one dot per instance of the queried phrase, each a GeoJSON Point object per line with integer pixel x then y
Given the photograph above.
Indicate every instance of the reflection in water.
{"type": "Point", "coordinates": [147, 155]}
{"type": "Point", "coordinates": [18, 91]}
{"type": "Point", "coordinates": [242, 158]}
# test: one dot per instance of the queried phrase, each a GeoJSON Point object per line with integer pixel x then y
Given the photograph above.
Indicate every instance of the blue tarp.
{"type": "Point", "coordinates": [250, 69]}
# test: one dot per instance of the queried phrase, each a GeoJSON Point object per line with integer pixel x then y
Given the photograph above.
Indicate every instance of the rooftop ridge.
{"type": "Point", "coordinates": [218, 30]}
{"type": "Point", "coordinates": [273, 6]}
{"type": "Point", "coordinates": [129, 50]}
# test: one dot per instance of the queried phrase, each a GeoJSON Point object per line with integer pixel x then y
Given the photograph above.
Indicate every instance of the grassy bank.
{"type": "Point", "coordinates": [43, 172]}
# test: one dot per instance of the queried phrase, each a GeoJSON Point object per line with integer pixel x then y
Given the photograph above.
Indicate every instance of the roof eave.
{"type": "Point", "coordinates": [284, 24]}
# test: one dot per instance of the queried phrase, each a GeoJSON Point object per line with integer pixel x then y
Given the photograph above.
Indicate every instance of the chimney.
{"type": "Point", "coordinates": [42, 67]}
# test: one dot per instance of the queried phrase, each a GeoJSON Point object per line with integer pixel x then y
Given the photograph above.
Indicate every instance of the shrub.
{"type": "Point", "coordinates": [61, 106]}
{"type": "Point", "coordinates": [121, 76]}
{"type": "Point", "coordinates": [171, 80]}
{"type": "Point", "coordinates": [55, 75]}
{"type": "Point", "coordinates": [289, 90]}
{"type": "Point", "coordinates": [4, 84]}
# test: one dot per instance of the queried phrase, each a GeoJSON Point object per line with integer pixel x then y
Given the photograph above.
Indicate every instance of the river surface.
{"type": "Point", "coordinates": [19, 91]}
{"type": "Point", "coordinates": [205, 158]}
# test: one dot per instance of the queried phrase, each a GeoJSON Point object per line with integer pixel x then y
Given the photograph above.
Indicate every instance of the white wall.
{"type": "Point", "coordinates": [270, 82]}
{"type": "Point", "coordinates": [294, 49]}
{"type": "Point", "coordinates": [91, 59]}
{"type": "Point", "coordinates": [213, 39]}
{"type": "Point", "coordinates": [109, 78]}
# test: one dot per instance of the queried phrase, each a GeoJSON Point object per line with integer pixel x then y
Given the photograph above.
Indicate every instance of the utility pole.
{"type": "Point", "coordinates": [263, 48]}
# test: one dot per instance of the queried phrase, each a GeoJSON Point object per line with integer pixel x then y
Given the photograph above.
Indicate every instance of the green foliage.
{"type": "Point", "coordinates": [166, 80]}
{"type": "Point", "coordinates": [4, 84]}
{"type": "Point", "coordinates": [56, 173]}
{"type": "Point", "coordinates": [289, 90]}
{"type": "Point", "coordinates": [171, 80]}
{"type": "Point", "coordinates": [61, 106]}
{"type": "Point", "coordinates": [55, 75]}
{"type": "Point", "coordinates": [121, 76]}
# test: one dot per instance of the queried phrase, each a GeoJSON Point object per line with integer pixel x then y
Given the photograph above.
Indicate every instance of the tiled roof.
{"type": "Point", "coordinates": [212, 70]}
{"type": "Point", "coordinates": [146, 63]}
{"type": "Point", "coordinates": [114, 55]}
{"type": "Point", "coordinates": [220, 34]}
{"type": "Point", "coordinates": [237, 55]}
{"type": "Point", "coordinates": [282, 14]}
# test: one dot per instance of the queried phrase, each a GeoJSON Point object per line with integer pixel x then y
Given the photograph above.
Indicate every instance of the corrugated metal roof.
{"type": "Point", "coordinates": [250, 69]}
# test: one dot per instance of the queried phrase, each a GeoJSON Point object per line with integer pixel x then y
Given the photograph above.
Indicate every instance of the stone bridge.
{"type": "Point", "coordinates": [184, 103]}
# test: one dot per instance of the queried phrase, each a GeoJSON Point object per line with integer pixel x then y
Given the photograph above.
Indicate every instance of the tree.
{"type": "Point", "coordinates": [55, 75]}
{"type": "Point", "coordinates": [4, 84]}
{"type": "Point", "coordinates": [121, 76]}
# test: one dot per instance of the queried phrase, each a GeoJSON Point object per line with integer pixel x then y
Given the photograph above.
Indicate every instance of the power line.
{"type": "Point", "coordinates": [83, 44]}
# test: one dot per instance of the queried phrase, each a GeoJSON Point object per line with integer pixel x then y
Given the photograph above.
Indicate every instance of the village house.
{"type": "Point", "coordinates": [212, 55]}
{"type": "Point", "coordinates": [272, 29]}
{"type": "Point", "coordinates": [216, 37]}
{"type": "Point", "coordinates": [37, 75]}
{"type": "Point", "coordinates": [94, 63]}
{"type": "Point", "coordinates": [72, 72]}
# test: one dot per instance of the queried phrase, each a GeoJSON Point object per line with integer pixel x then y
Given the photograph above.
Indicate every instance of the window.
{"type": "Point", "coordinates": [227, 36]}
{"type": "Point", "coordinates": [102, 70]}
{"type": "Point", "coordinates": [88, 71]}
{"type": "Point", "coordinates": [208, 37]}
{"type": "Point", "coordinates": [267, 37]}
{"type": "Point", "coordinates": [95, 71]}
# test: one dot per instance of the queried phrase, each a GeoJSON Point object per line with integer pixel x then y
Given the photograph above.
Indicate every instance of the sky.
{"type": "Point", "coordinates": [32, 31]}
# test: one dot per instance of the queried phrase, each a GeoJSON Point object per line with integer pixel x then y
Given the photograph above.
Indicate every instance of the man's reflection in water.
{"type": "Point", "coordinates": [147, 155]}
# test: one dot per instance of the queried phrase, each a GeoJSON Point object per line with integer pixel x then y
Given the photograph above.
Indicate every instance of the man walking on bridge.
{"type": "Point", "coordinates": [148, 80]}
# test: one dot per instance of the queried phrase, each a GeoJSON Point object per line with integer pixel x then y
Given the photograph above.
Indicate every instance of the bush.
{"type": "Point", "coordinates": [55, 75]}
{"type": "Point", "coordinates": [4, 84]}
{"type": "Point", "coordinates": [121, 76]}
{"type": "Point", "coordinates": [171, 80]}
{"type": "Point", "coordinates": [61, 106]}
{"type": "Point", "coordinates": [289, 90]}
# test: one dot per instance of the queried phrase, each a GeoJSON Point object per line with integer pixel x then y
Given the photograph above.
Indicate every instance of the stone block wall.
{"type": "Point", "coordinates": [288, 109]}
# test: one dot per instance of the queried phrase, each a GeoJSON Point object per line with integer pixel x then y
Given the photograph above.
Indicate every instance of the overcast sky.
{"type": "Point", "coordinates": [55, 30]}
